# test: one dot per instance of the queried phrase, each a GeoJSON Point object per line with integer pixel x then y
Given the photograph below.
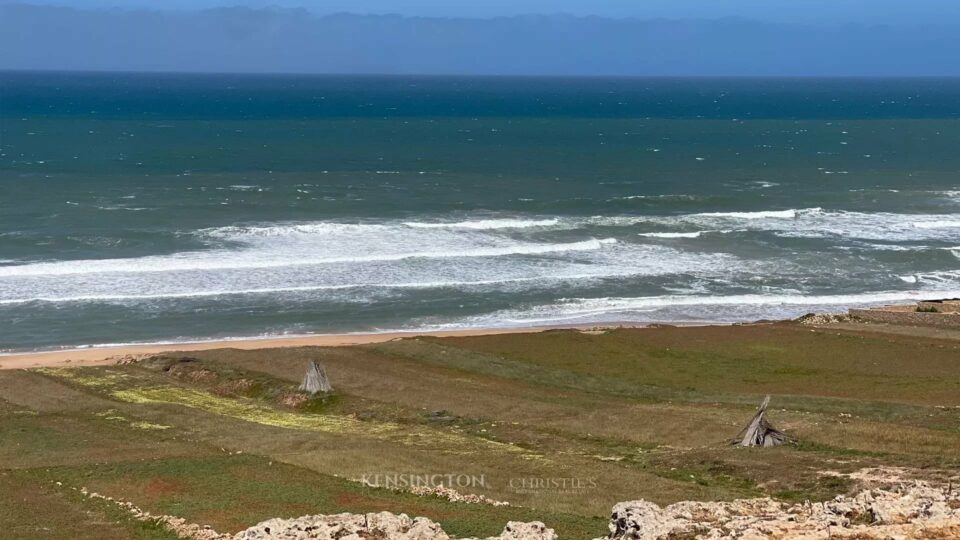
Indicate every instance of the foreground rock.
{"type": "Point", "coordinates": [915, 511]}
{"type": "Point", "coordinates": [382, 526]}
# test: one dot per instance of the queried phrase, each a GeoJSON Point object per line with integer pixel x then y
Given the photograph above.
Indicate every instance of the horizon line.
{"type": "Point", "coordinates": [4, 70]}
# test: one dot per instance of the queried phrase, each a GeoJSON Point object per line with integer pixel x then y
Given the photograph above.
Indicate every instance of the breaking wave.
{"type": "Point", "coordinates": [677, 308]}
{"type": "Point", "coordinates": [767, 214]}
{"type": "Point", "coordinates": [496, 270]}
{"type": "Point", "coordinates": [672, 234]}
{"type": "Point", "coordinates": [485, 224]}
{"type": "Point", "coordinates": [255, 259]}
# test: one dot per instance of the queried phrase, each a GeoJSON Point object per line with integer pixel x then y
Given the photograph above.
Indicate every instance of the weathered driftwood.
{"type": "Point", "coordinates": [759, 432]}
{"type": "Point", "coordinates": [315, 379]}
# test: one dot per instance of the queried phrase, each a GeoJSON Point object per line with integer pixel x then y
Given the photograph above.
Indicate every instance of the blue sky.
{"type": "Point", "coordinates": [811, 11]}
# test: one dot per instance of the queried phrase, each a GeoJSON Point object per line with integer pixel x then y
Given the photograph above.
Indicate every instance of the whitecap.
{"type": "Point", "coordinates": [293, 255]}
{"type": "Point", "coordinates": [688, 308]}
{"type": "Point", "coordinates": [485, 224]}
{"type": "Point", "coordinates": [936, 224]}
{"type": "Point", "coordinates": [763, 214]}
{"type": "Point", "coordinates": [673, 234]}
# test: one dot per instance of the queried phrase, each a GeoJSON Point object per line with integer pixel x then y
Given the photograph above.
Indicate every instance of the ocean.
{"type": "Point", "coordinates": [162, 208]}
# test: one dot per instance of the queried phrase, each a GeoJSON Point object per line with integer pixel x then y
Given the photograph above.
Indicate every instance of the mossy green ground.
{"type": "Point", "coordinates": [562, 424]}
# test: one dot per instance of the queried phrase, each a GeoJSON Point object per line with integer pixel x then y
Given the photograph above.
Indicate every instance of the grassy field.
{"type": "Point", "coordinates": [562, 424]}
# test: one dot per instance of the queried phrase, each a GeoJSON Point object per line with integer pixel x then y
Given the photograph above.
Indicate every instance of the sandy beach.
{"type": "Point", "coordinates": [94, 356]}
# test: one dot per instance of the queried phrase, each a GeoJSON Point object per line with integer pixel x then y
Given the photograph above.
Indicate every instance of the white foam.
{"type": "Point", "coordinates": [485, 224]}
{"type": "Point", "coordinates": [817, 223]}
{"type": "Point", "coordinates": [371, 261]}
{"type": "Point", "coordinates": [673, 234]}
{"type": "Point", "coordinates": [598, 259]}
{"type": "Point", "coordinates": [667, 197]}
{"type": "Point", "coordinates": [937, 224]}
{"type": "Point", "coordinates": [806, 222]}
{"type": "Point", "coordinates": [125, 208]}
{"type": "Point", "coordinates": [225, 260]}
{"type": "Point", "coordinates": [764, 214]}
{"type": "Point", "coordinates": [944, 277]}
{"type": "Point", "coordinates": [677, 308]}
{"type": "Point", "coordinates": [950, 194]}
{"type": "Point", "coordinates": [266, 290]}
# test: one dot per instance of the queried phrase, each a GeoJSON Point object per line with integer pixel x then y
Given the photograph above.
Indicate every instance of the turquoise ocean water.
{"type": "Point", "coordinates": [142, 208]}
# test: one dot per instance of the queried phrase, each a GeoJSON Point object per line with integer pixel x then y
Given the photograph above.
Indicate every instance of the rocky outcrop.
{"type": "Point", "coordinates": [382, 526]}
{"type": "Point", "coordinates": [915, 511]}
{"type": "Point", "coordinates": [346, 527]}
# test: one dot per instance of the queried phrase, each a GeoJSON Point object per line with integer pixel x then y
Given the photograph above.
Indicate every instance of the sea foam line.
{"type": "Point", "coordinates": [499, 320]}
{"type": "Point", "coordinates": [764, 214]}
{"type": "Point", "coordinates": [673, 234]}
{"type": "Point", "coordinates": [585, 308]}
{"type": "Point", "coordinates": [306, 288]}
{"type": "Point", "coordinates": [226, 260]}
{"type": "Point", "coordinates": [940, 224]}
{"type": "Point", "coordinates": [485, 224]}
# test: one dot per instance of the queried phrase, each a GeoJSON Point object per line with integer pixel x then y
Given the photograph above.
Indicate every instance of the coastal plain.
{"type": "Point", "coordinates": [562, 424]}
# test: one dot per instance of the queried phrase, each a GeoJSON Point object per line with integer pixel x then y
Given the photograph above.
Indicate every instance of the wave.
{"type": "Point", "coordinates": [124, 208]}
{"type": "Point", "coordinates": [664, 197]}
{"type": "Point", "coordinates": [461, 284]}
{"type": "Point", "coordinates": [820, 223]}
{"type": "Point", "coordinates": [895, 247]}
{"type": "Point", "coordinates": [656, 264]}
{"type": "Point", "coordinates": [802, 222]}
{"type": "Point", "coordinates": [675, 308]}
{"type": "Point", "coordinates": [673, 234]}
{"type": "Point", "coordinates": [256, 291]}
{"type": "Point", "coordinates": [227, 260]}
{"type": "Point", "coordinates": [933, 278]}
{"type": "Point", "coordinates": [764, 214]}
{"type": "Point", "coordinates": [936, 224]}
{"type": "Point", "coordinates": [606, 304]}
{"type": "Point", "coordinates": [241, 233]}
{"type": "Point", "coordinates": [485, 224]}
{"type": "Point", "coordinates": [953, 195]}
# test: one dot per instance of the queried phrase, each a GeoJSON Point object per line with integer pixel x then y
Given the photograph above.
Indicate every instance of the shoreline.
{"type": "Point", "coordinates": [109, 354]}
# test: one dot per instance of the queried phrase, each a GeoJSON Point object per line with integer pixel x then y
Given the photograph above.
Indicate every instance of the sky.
{"type": "Point", "coordinates": [489, 37]}
{"type": "Point", "coordinates": [810, 11]}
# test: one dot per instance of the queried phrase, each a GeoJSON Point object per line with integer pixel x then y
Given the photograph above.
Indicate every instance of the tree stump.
{"type": "Point", "coordinates": [759, 432]}
{"type": "Point", "coordinates": [315, 380]}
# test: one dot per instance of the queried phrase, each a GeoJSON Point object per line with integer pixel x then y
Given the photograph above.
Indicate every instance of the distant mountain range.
{"type": "Point", "coordinates": [296, 41]}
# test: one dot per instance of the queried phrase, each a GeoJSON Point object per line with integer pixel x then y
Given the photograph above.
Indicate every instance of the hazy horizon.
{"type": "Point", "coordinates": [290, 40]}
{"type": "Point", "coordinates": [807, 11]}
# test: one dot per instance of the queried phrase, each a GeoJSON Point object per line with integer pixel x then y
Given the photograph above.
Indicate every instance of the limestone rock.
{"type": "Point", "coordinates": [380, 526]}
{"type": "Point", "coordinates": [914, 511]}
{"type": "Point", "coordinates": [518, 530]}
{"type": "Point", "coordinates": [644, 519]}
